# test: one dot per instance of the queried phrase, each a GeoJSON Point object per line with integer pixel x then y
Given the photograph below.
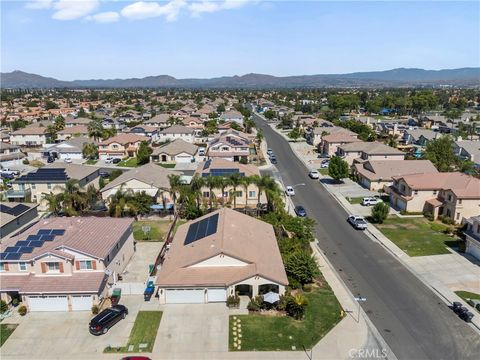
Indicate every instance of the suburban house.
{"type": "Point", "coordinates": [472, 236]}
{"type": "Point", "coordinates": [361, 151]}
{"type": "Point", "coordinates": [122, 145]}
{"type": "Point", "coordinates": [31, 136]}
{"type": "Point", "coordinates": [72, 131]}
{"type": "Point", "coordinates": [177, 132]}
{"type": "Point", "coordinates": [81, 121]}
{"type": "Point", "coordinates": [177, 151]}
{"type": "Point", "coordinates": [225, 168]}
{"type": "Point", "coordinates": [10, 154]}
{"type": "Point", "coordinates": [377, 174]}
{"type": "Point", "coordinates": [419, 137]}
{"type": "Point", "coordinates": [232, 115]}
{"type": "Point", "coordinates": [145, 130]}
{"type": "Point", "coordinates": [15, 215]}
{"type": "Point", "coordinates": [59, 264]}
{"type": "Point", "coordinates": [149, 178]}
{"type": "Point", "coordinates": [451, 194]}
{"type": "Point", "coordinates": [231, 145]}
{"type": "Point", "coordinates": [468, 150]}
{"type": "Point", "coordinates": [219, 255]}
{"type": "Point", "coordinates": [160, 121]}
{"type": "Point", "coordinates": [314, 135]}
{"type": "Point", "coordinates": [70, 149]}
{"type": "Point", "coordinates": [330, 143]}
{"type": "Point", "coordinates": [50, 179]}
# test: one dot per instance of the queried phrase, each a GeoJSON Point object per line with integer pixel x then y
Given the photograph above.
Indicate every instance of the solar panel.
{"type": "Point", "coordinates": [12, 249]}
{"type": "Point", "coordinates": [3, 256]}
{"type": "Point", "coordinates": [202, 229]}
{"type": "Point", "coordinates": [13, 256]}
{"type": "Point", "coordinates": [22, 243]}
{"type": "Point", "coordinates": [19, 209]}
{"type": "Point", "coordinates": [58, 231]}
{"type": "Point", "coordinates": [36, 243]}
{"type": "Point", "coordinates": [25, 249]}
{"type": "Point", "coordinates": [44, 232]}
{"type": "Point", "coordinates": [47, 237]}
{"type": "Point", "coordinates": [33, 237]}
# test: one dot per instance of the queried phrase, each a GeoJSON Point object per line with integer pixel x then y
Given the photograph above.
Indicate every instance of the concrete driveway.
{"type": "Point", "coordinates": [188, 329]}
{"type": "Point", "coordinates": [137, 268]}
{"type": "Point", "coordinates": [58, 335]}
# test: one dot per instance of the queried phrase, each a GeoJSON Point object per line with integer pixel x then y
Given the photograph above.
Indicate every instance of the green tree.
{"type": "Point", "coordinates": [143, 153]}
{"type": "Point", "coordinates": [338, 168]}
{"type": "Point", "coordinates": [82, 113]}
{"type": "Point", "coordinates": [221, 108]}
{"type": "Point", "coordinates": [294, 134]}
{"type": "Point", "coordinates": [50, 105]}
{"type": "Point", "coordinates": [59, 123]}
{"type": "Point", "coordinates": [95, 129]}
{"type": "Point", "coordinates": [51, 133]}
{"type": "Point", "coordinates": [175, 185]}
{"type": "Point", "coordinates": [380, 212]}
{"type": "Point", "coordinates": [90, 151]}
{"type": "Point", "coordinates": [440, 152]}
{"type": "Point", "coordinates": [235, 181]}
{"type": "Point", "coordinates": [269, 114]}
{"type": "Point", "coordinates": [302, 266]}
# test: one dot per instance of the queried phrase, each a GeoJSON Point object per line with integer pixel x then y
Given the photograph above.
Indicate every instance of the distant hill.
{"type": "Point", "coordinates": [401, 77]}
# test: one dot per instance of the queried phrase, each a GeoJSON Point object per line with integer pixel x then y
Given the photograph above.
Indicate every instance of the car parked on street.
{"type": "Point", "coordinates": [300, 211]}
{"type": "Point", "coordinates": [273, 159]}
{"type": "Point", "coordinates": [358, 222]}
{"type": "Point", "coordinates": [369, 201]}
{"type": "Point", "coordinates": [314, 174]}
{"type": "Point", "coordinates": [269, 152]}
{"type": "Point", "coordinates": [290, 191]}
{"type": "Point", "coordinates": [104, 174]}
{"type": "Point", "coordinates": [101, 323]}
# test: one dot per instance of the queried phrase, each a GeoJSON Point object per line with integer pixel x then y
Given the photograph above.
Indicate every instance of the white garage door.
{"type": "Point", "coordinates": [183, 159]}
{"type": "Point", "coordinates": [217, 295]}
{"type": "Point", "coordinates": [82, 302]}
{"type": "Point", "coordinates": [473, 250]}
{"type": "Point", "coordinates": [184, 296]}
{"type": "Point", "coordinates": [48, 303]}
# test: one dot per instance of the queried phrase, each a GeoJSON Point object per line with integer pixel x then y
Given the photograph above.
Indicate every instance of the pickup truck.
{"type": "Point", "coordinates": [7, 171]}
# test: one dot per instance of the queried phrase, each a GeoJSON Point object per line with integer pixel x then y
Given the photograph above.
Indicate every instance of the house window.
{"type": "Point", "coordinates": [459, 201]}
{"type": "Point", "coordinates": [449, 197]}
{"type": "Point", "coordinates": [251, 194]}
{"type": "Point", "coordinates": [458, 216]}
{"type": "Point", "coordinates": [2, 267]}
{"type": "Point", "coordinates": [206, 194]}
{"type": "Point", "coordinates": [238, 193]}
{"type": "Point", "coordinates": [34, 186]}
{"type": "Point", "coordinates": [114, 146]}
{"type": "Point", "coordinates": [53, 267]}
{"type": "Point", "coordinates": [49, 186]}
{"type": "Point", "coordinates": [86, 265]}
{"type": "Point", "coordinates": [416, 192]}
{"type": "Point", "coordinates": [434, 192]}
{"type": "Point", "coordinates": [22, 266]}
{"type": "Point", "coordinates": [402, 188]}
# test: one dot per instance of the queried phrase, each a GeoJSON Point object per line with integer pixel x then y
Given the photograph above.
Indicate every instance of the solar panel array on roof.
{"type": "Point", "coordinates": [13, 210]}
{"type": "Point", "coordinates": [202, 229]}
{"type": "Point", "coordinates": [44, 175]}
{"type": "Point", "coordinates": [31, 242]}
{"type": "Point", "coordinates": [223, 172]}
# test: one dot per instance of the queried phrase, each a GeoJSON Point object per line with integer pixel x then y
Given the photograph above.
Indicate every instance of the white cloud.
{"type": "Point", "coordinates": [73, 9]}
{"type": "Point", "coordinates": [143, 10]}
{"type": "Point", "coordinates": [198, 8]}
{"type": "Point", "coordinates": [39, 4]}
{"type": "Point", "coordinates": [104, 17]}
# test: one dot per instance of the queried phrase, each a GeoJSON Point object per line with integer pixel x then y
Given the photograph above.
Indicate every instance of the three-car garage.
{"type": "Point", "coordinates": [59, 302]}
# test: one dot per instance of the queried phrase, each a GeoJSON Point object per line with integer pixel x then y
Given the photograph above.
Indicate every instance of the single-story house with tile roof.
{"type": "Point", "coordinates": [149, 178]}
{"type": "Point", "coordinates": [72, 148]}
{"type": "Point", "coordinates": [219, 255]}
{"type": "Point", "coordinates": [361, 151]}
{"type": "Point", "coordinates": [59, 264]}
{"type": "Point", "coordinates": [376, 174]}
{"type": "Point", "coordinates": [177, 151]}
{"type": "Point", "coordinates": [10, 154]}
{"type": "Point", "coordinates": [72, 131]}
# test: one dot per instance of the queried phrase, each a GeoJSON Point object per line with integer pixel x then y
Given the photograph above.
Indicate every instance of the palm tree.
{"type": "Point", "coordinates": [246, 182]}
{"type": "Point", "coordinates": [213, 182]}
{"type": "Point", "coordinates": [54, 203]}
{"type": "Point", "coordinates": [90, 151]}
{"type": "Point", "coordinates": [51, 132]}
{"type": "Point", "coordinates": [235, 181]}
{"type": "Point", "coordinates": [95, 129]}
{"type": "Point", "coordinates": [272, 191]}
{"type": "Point", "coordinates": [223, 183]}
{"type": "Point", "coordinates": [196, 187]}
{"type": "Point", "coordinates": [392, 141]}
{"type": "Point", "coordinates": [74, 198]}
{"type": "Point", "coordinates": [175, 184]}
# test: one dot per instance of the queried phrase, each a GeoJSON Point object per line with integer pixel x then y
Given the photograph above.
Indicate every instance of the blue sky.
{"type": "Point", "coordinates": [83, 39]}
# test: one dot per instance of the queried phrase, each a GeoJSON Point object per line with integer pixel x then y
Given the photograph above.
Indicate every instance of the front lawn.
{"type": "Point", "coordinates": [130, 162]}
{"type": "Point", "coordinates": [91, 162]}
{"type": "Point", "coordinates": [355, 200]}
{"type": "Point", "coordinates": [158, 230]}
{"type": "Point", "coordinates": [468, 295]}
{"type": "Point", "coordinates": [144, 332]}
{"type": "Point", "coordinates": [168, 166]}
{"type": "Point", "coordinates": [5, 331]}
{"type": "Point", "coordinates": [324, 172]}
{"type": "Point", "coordinates": [417, 236]}
{"type": "Point", "coordinates": [277, 333]}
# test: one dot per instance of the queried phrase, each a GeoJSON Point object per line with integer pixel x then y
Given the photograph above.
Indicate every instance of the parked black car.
{"type": "Point", "coordinates": [300, 211]}
{"type": "Point", "coordinates": [104, 174]}
{"type": "Point", "coordinates": [50, 159]}
{"type": "Point", "coordinates": [116, 160]}
{"type": "Point", "coordinates": [101, 323]}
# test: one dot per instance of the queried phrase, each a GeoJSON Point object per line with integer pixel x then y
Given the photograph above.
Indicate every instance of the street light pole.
{"type": "Point", "coordinates": [359, 299]}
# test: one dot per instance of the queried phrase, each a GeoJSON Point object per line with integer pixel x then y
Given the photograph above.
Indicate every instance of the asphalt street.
{"type": "Point", "coordinates": [412, 319]}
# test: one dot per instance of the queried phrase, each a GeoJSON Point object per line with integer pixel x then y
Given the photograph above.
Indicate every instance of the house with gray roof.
{"type": "Point", "coordinates": [177, 151]}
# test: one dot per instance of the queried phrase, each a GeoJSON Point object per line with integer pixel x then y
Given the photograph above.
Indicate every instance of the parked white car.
{"type": "Point", "coordinates": [358, 222]}
{"type": "Point", "coordinates": [369, 201]}
{"type": "Point", "coordinates": [289, 191]}
{"type": "Point", "coordinates": [109, 160]}
{"type": "Point", "coordinates": [324, 165]}
{"type": "Point", "coordinates": [68, 160]}
{"type": "Point", "coordinates": [314, 174]}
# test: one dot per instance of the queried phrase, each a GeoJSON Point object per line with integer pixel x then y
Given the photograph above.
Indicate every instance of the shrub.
{"type": "Point", "coordinates": [447, 220]}
{"type": "Point", "coordinates": [256, 304]}
{"type": "Point", "coordinates": [233, 301]}
{"type": "Point", "coordinates": [25, 162]}
{"type": "Point", "coordinates": [3, 306]}
{"type": "Point", "coordinates": [15, 302]}
{"type": "Point", "coordinates": [338, 168]}
{"type": "Point", "coordinates": [283, 302]}
{"type": "Point", "coordinates": [293, 283]}
{"type": "Point", "coordinates": [429, 216]}
{"type": "Point", "coordinates": [22, 310]}
{"type": "Point", "coordinates": [95, 309]}
{"type": "Point", "coordinates": [296, 306]}
{"type": "Point", "coordinates": [308, 287]}
{"type": "Point", "coordinates": [302, 266]}
{"type": "Point", "coordinates": [380, 212]}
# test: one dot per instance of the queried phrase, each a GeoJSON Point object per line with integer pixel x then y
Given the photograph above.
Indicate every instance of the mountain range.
{"type": "Point", "coordinates": [401, 77]}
